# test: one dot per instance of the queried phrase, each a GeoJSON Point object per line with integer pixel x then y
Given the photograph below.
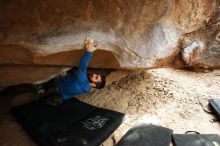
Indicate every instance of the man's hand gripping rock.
{"type": "Point", "coordinates": [89, 45]}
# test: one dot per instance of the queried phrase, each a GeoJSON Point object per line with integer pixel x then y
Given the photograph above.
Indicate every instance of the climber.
{"type": "Point", "coordinates": [78, 82]}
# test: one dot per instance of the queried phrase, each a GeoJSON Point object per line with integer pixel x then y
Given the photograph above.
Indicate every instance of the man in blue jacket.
{"type": "Point", "coordinates": [78, 82]}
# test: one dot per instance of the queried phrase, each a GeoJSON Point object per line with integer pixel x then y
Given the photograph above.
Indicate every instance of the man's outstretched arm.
{"type": "Point", "coordinates": [90, 48]}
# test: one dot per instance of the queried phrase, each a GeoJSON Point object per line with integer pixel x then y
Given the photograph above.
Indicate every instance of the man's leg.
{"type": "Point", "coordinates": [44, 87]}
{"type": "Point", "coordinates": [53, 97]}
{"type": "Point", "coordinates": [49, 87]}
{"type": "Point", "coordinates": [51, 94]}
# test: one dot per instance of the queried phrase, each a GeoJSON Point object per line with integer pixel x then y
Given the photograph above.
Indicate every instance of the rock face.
{"type": "Point", "coordinates": [131, 33]}
{"type": "Point", "coordinates": [201, 48]}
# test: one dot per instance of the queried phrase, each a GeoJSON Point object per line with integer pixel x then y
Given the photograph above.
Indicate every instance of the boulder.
{"type": "Point", "coordinates": [131, 34]}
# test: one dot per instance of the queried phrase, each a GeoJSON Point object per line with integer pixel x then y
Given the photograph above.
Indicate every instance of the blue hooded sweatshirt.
{"type": "Point", "coordinates": [77, 83]}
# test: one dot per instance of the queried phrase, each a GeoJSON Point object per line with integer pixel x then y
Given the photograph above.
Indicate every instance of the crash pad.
{"type": "Point", "coordinates": [215, 106]}
{"type": "Point", "coordinates": [71, 123]}
{"type": "Point", "coordinates": [146, 135]}
{"type": "Point", "coordinates": [196, 140]}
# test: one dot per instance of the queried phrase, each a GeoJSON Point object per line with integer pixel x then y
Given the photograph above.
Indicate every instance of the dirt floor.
{"type": "Point", "coordinates": [166, 97]}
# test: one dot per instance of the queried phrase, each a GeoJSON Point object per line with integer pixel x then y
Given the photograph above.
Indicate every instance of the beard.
{"type": "Point", "coordinates": [89, 78]}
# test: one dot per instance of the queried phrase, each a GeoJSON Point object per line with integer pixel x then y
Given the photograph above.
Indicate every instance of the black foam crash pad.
{"type": "Point", "coordinates": [196, 140]}
{"type": "Point", "coordinates": [72, 123]}
{"type": "Point", "coordinates": [146, 135]}
{"type": "Point", "coordinates": [215, 105]}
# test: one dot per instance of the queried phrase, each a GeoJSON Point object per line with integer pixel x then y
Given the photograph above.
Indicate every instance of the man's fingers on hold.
{"type": "Point", "coordinates": [86, 40]}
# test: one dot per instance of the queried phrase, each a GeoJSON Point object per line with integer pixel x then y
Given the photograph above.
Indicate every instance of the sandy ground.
{"type": "Point", "coordinates": [166, 97]}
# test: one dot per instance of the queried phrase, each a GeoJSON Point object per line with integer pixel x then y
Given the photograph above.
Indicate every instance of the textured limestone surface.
{"type": "Point", "coordinates": [131, 33]}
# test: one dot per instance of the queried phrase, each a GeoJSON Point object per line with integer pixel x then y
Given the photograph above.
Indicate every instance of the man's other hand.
{"type": "Point", "coordinates": [88, 45]}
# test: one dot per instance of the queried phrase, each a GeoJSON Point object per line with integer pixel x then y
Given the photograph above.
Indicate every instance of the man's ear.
{"type": "Point", "coordinates": [92, 85]}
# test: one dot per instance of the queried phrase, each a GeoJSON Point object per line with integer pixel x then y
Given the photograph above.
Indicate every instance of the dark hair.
{"type": "Point", "coordinates": [101, 84]}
